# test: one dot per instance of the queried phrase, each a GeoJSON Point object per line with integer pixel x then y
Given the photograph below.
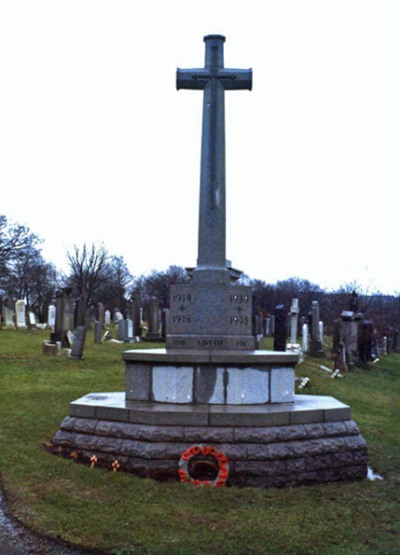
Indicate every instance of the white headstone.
{"type": "Point", "coordinates": [8, 317]}
{"type": "Point", "coordinates": [51, 316]}
{"type": "Point", "coordinates": [107, 318]}
{"type": "Point", "coordinates": [130, 329]}
{"type": "Point", "coordinates": [321, 331]}
{"type": "Point", "coordinates": [32, 319]}
{"type": "Point", "coordinates": [305, 338]}
{"type": "Point", "coordinates": [118, 316]}
{"type": "Point", "coordinates": [20, 314]}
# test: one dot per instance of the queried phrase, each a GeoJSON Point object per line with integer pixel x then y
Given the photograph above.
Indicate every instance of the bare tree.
{"type": "Point", "coordinates": [14, 238]}
{"type": "Point", "coordinates": [87, 265]}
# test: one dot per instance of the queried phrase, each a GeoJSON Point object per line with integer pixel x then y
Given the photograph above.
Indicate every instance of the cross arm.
{"type": "Point", "coordinates": [192, 78]}
{"type": "Point", "coordinates": [231, 79]}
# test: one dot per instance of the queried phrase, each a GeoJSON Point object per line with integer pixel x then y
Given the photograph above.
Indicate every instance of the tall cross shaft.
{"type": "Point", "coordinates": [213, 79]}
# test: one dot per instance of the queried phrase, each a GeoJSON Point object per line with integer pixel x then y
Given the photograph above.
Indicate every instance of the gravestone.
{"type": "Point", "coordinates": [80, 311]}
{"type": "Point", "coordinates": [122, 330]}
{"type": "Point", "coordinates": [154, 322]}
{"type": "Point", "coordinates": [294, 315]}
{"type": "Point", "coordinates": [65, 306]}
{"type": "Point", "coordinates": [340, 363]}
{"type": "Point", "coordinates": [117, 315]}
{"type": "Point", "coordinates": [280, 334]}
{"type": "Point", "coordinates": [51, 316]}
{"type": "Point", "coordinates": [107, 318]}
{"type": "Point", "coordinates": [209, 386]}
{"type": "Point", "coordinates": [8, 317]}
{"type": "Point", "coordinates": [315, 342]}
{"type": "Point", "coordinates": [20, 314]}
{"type": "Point", "coordinates": [304, 338]}
{"type": "Point", "coordinates": [269, 325]}
{"type": "Point", "coordinates": [137, 319]}
{"type": "Point", "coordinates": [99, 323]}
{"type": "Point", "coordinates": [366, 340]}
{"type": "Point", "coordinates": [78, 343]}
{"type": "Point", "coordinates": [32, 320]}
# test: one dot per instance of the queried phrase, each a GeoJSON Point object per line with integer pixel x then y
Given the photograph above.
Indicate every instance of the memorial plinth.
{"type": "Point", "coordinates": [210, 385]}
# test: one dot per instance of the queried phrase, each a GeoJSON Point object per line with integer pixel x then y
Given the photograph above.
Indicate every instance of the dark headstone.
{"type": "Point", "coordinates": [78, 343]}
{"type": "Point", "coordinates": [315, 341]}
{"type": "Point", "coordinates": [280, 334]}
{"type": "Point", "coordinates": [80, 311]}
{"type": "Point", "coordinates": [65, 303]}
{"type": "Point", "coordinates": [366, 340]}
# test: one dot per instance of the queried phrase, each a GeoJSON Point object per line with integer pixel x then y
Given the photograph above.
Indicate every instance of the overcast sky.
{"type": "Point", "coordinates": [98, 146]}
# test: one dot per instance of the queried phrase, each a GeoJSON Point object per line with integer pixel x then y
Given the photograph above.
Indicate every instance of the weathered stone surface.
{"type": "Point", "coordinates": [172, 384]}
{"type": "Point", "coordinates": [85, 425]}
{"type": "Point", "coordinates": [68, 423]}
{"type": "Point", "coordinates": [138, 381]}
{"type": "Point", "coordinates": [263, 455]}
{"type": "Point", "coordinates": [207, 434]}
{"type": "Point", "coordinates": [282, 385]}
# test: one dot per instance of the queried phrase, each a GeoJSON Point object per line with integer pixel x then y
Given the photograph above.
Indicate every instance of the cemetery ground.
{"type": "Point", "coordinates": [111, 512]}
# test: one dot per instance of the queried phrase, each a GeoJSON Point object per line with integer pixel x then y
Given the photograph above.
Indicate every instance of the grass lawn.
{"type": "Point", "coordinates": [125, 515]}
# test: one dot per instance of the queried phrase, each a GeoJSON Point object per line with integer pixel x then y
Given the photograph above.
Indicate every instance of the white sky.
{"type": "Point", "coordinates": [97, 145]}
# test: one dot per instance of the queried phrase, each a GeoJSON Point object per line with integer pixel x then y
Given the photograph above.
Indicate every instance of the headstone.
{"type": "Point", "coordinates": [280, 328]}
{"type": "Point", "coordinates": [32, 320]}
{"type": "Point", "coordinates": [8, 317]}
{"type": "Point", "coordinates": [107, 318]}
{"type": "Point", "coordinates": [99, 323]}
{"type": "Point", "coordinates": [304, 338]}
{"type": "Point", "coordinates": [51, 316]}
{"type": "Point", "coordinates": [65, 305]}
{"type": "Point", "coordinates": [117, 315]}
{"type": "Point", "coordinates": [366, 340]}
{"type": "Point", "coordinates": [154, 322]}
{"type": "Point", "coordinates": [78, 343]}
{"type": "Point", "coordinates": [336, 335]}
{"type": "Point", "coordinates": [315, 343]}
{"type": "Point", "coordinates": [268, 326]}
{"type": "Point", "coordinates": [20, 314]}
{"type": "Point", "coordinates": [100, 312]}
{"type": "Point", "coordinates": [123, 330]}
{"type": "Point", "coordinates": [340, 358]}
{"type": "Point", "coordinates": [98, 332]}
{"type": "Point", "coordinates": [321, 331]}
{"type": "Point", "coordinates": [137, 319]}
{"type": "Point", "coordinates": [294, 314]}
{"type": "Point", "coordinates": [80, 311]}
{"type": "Point", "coordinates": [129, 330]}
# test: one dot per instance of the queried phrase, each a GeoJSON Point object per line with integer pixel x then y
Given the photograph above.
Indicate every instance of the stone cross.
{"type": "Point", "coordinates": [214, 79]}
{"type": "Point", "coordinates": [210, 313]}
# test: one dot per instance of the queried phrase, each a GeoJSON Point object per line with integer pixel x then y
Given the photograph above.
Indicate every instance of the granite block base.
{"type": "Point", "coordinates": [214, 377]}
{"type": "Point", "coordinates": [310, 441]}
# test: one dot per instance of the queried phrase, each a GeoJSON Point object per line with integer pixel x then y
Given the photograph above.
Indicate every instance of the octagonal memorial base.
{"type": "Point", "coordinates": [310, 440]}
{"type": "Point", "coordinates": [210, 377]}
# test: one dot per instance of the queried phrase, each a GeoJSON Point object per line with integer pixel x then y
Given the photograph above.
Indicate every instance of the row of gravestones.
{"type": "Point", "coordinates": [354, 340]}
{"type": "Point", "coordinates": [19, 317]}
{"type": "Point", "coordinates": [69, 314]}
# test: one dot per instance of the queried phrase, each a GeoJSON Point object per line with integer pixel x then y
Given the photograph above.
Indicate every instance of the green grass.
{"type": "Point", "coordinates": [125, 515]}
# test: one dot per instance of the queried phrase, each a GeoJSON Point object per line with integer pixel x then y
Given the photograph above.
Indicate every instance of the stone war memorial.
{"type": "Point", "coordinates": [210, 408]}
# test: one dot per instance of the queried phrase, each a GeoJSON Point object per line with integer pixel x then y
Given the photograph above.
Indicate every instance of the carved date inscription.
{"type": "Point", "coordinates": [240, 310]}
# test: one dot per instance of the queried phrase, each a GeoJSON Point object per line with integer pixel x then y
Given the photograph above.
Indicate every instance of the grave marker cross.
{"type": "Point", "coordinates": [213, 79]}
